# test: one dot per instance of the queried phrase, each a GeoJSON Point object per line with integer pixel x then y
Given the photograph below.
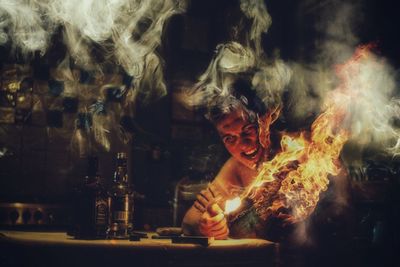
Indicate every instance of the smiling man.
{"type": "Point", "coordinates": [242, 121]}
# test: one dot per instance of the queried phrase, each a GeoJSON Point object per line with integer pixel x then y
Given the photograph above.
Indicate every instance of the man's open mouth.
{"type": "Point", "coordinates": [251, 154]}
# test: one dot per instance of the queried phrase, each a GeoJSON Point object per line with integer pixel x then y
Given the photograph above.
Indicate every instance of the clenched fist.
{"type": "Point", "coordinates": [213, 223]}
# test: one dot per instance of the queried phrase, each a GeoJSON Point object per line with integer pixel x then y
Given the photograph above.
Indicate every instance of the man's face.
{"type": "Point", "coordinates": [240, 137]}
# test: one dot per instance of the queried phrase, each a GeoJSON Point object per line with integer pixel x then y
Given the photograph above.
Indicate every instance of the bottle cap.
{"type": "Point", "coordinates": [121, 155]}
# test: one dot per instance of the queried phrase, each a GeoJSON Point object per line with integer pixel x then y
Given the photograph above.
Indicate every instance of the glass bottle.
{"type": "Point", "coordinates": [120, 201]}
{"type": "Point", "coordinates": [91, 205]}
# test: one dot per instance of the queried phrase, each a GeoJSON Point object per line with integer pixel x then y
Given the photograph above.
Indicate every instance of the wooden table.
{"type": "Point", "coordinates": [19, 248]}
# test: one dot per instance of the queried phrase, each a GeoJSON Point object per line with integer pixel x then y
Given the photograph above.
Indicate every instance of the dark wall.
{"type": "Point", "coordinates": [38, 162]}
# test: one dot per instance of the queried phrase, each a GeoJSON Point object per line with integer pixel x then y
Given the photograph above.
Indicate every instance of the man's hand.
{"type": "Point", "coordinates": [213, 223]}
{"type": "Point", "coordinates": [206, 197]}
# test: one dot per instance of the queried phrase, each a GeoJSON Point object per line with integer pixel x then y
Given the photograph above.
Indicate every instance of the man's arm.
{"type": "Point", "coordinates": [217, 192]}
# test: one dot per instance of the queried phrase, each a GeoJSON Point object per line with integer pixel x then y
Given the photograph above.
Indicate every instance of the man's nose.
{"type": "Point", "coordinates": [245, 142]}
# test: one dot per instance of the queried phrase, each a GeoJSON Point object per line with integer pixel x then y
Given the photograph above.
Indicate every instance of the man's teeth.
{"type": "Point", "coordinates": [251, 152]}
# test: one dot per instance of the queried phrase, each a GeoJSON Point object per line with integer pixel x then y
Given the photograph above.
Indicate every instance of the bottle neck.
{"type": "Point", "coordinates": [92, 173]}
{"type": "Point", "coordinates": [121, 174]}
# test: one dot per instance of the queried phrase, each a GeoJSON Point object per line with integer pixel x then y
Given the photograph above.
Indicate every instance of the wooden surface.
{"type": "Point", "coordinates": [57, 249]}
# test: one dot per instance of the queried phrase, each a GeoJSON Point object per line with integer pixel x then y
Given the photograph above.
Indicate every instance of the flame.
{"type": "Point", "coordinates": [232, 204]}
{"type": "Point", "coordinates": [291, 182]}
{"type": "Point", "coordinates": [301, 167]}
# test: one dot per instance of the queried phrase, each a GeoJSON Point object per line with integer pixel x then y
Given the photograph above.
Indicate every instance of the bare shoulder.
{"type": "Point", "coordinates": [233, 174]}
{"type": "Point", "coordinates": [229, 172]}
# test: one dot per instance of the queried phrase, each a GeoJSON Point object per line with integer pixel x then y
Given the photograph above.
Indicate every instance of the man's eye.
{"type": "Point", "coordinates": [229, 139]}
{"type": "Point", "coordinates": [251, 129]}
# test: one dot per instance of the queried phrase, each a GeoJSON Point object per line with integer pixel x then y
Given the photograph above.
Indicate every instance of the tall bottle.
{"type": "Point", "coordinates": [120, 201]}
{"type": "Point", "coordinates": [91, 205]}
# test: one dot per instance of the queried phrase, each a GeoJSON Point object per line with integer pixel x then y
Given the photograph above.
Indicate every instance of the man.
{"type": "Point", "coordinates": [242, 122]}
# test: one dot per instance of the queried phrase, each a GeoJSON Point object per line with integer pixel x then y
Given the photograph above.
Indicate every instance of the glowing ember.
{"type": "Point", "coordinates": [232, 204]}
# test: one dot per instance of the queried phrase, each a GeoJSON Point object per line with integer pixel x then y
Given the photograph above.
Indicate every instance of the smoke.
{"type": "Point", "coordinates": [104, 38]}
{"type": "Point", "coordinates": [271, 80]}
{"type": "Point", "coordinates": [257, 11]}
{"type": "Point", "coordinates": [127, 31]}
{"type": "Point", "coordinates": [373, 110]}
{"type": "Point", "coordinates": [365, 76]}
{"type": "Point", "coordinates": [229, 60]}
{"type": "Point", "coordinates": [22, 24]}
{"type": "Point", "coordinates": [363, 83]}
{"type": "Point", "coordinates": [311, 81]}
{"type": "Point", "coordinates": [338, 23]}
{"type": "Point", "coordinates": [232, 60]}
{"type": "Point", "coordinates": [268, 77]}
{"type": "Point", "coordinates": [308, 86]}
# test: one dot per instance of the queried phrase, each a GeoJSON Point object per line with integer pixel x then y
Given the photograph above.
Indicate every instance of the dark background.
{"type": "Point", "coordinates": [171, 144]}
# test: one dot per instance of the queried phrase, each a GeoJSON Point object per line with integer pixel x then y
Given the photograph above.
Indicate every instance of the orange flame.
{"type": "Point", "coordinates": [292, 181]}
{"type": "Point", "coordinates": [302, 167]}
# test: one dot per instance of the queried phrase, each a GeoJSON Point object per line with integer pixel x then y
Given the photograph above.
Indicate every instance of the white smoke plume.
{"type": "Point", "coordinates": [374, 108]}
{"type": "Point", "coordinates": [257, 11]}
{"type": "Point", "coordinates": [269, 77]}
{"type": "Point", "coordinates": [126, 31]}
{"type": "Point", "coordinates": [21, 23]}
{"type": "Point", "coordinates": [231, 60]}
{"type": "Point", "coordinates": [363, 83]}
{"type": "Point", "coordinates": [311, 81]}
{"type": "Point", "coordinates": [97, 34]}
{"type": "Point", "coordinates": [369, 79]}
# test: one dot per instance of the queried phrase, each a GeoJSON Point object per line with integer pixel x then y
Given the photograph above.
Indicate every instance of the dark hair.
{"type": "Point", "coordinates": [242, 96]}
{"type": "Point", "coordinates": [242, 89]}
